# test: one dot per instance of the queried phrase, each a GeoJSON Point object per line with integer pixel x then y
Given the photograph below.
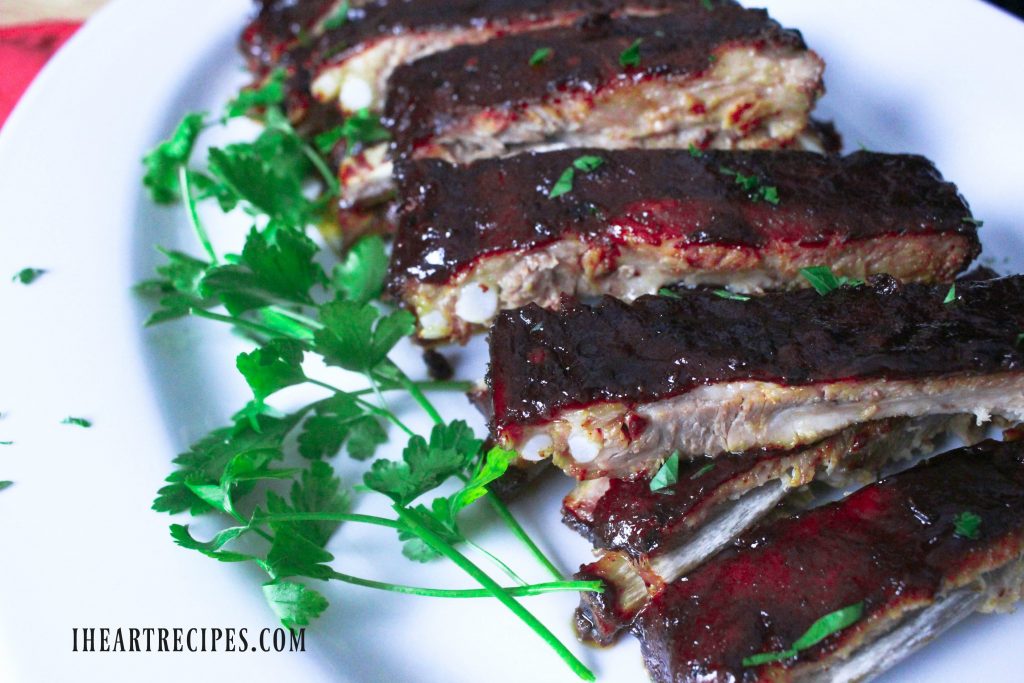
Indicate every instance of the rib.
{"type": "Point", "coordinates": [354, 61]}
{"type": "Point", "coordinates": [610, 389]}
{"type": "Point", "coordinates": [895, 548]}
{"type": "Point", "coordinates": [648, 539]}
{"type": "Point", "coordinates": [476, 239]}
{"type": "Point", "coordinates": [727, 78]}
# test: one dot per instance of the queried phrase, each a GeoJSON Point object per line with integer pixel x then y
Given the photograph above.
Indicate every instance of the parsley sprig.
{"type": "Point", "coordinates": [281, 507]}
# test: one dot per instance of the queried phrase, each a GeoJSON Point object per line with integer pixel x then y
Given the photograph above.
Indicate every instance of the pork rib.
{"type": "Point", "coordinates": [476, 239]}
{"type": "Point", "coordinates": [648, 539]}
{"type": "Point", "coordinates": [726, 78]}
{"type": "Point", "coordinates": [899, 549]}
{"type": "Point", "coordinates": [612, 389]}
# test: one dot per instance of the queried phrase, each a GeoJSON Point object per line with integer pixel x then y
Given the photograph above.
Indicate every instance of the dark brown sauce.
{"type": "Point", "coordinates": [454, 216]}
{"type": "Point", "coordinates": [887, 543]}
{"type": "Point", "coordinates": [544, 362]}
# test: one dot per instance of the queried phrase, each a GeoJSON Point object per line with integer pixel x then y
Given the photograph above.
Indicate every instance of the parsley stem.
{"type": "Point", "coordinates": [185, 183]}
{"type": "Point", "coordinates": [496, 561]}
{"type": "Point", "coordinates": [379, 412]}
{"type": "Point", "coordinates": [461, 561]}
{"type": "Point", "coordinates": [518, 591]}
{"type": "Point", "coordinates": [297, 317]}
{"type": "Point", "coordinates": [414, 391]}
{"type": "Point", "coordinates": [318, 163]}
{"type": "Point", "coordinates": [517, 530]}
{"type": "Point", "coordinates": [231, 320]}
{"type": "Point", "coordinates": [327, 517]}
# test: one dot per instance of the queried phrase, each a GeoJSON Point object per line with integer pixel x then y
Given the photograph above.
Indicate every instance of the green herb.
{"type": "Point", "coordinates": [668, 474]}
{"type": "Point", "coordinates": [967, 525]}
{"type": "Point", "coordinates": [665, 291]}
{"type": "Point", "coordinates": [267, 475]}
{"type": "Point", "coordinates": [695, 151]}
{"type": "Point", "coordinates": [702, 471]}
{"type": "Point", "coordinates": [270, 92]}
{"type": "Point", "coordinates": [753, 186]}
{"type": "Point", "coordinates": [364, 128]}
{"type": "Point", "coordinates": [76, 421]}
{"type": "Point", "coordinates": [824, 280]}
{"type": "Point", "coordinates": [707, 4]}
{"type": "Point", "coordinates": [564, 184]}
{"type": "Point", "coordinates": [726, 294]}
{"type": "Point", "coordinates": [5, 484]}
{"type": "Point", "coordinates": [27, 276]}
{"type": "Point", "coordinates": [824, 627]}
{"type": "Point", "coordinates": [541, 55]}
{"type": "Point", "coordinates": [6, 443]}
{"type": "Point", "coordinates": [973, 221]}
{"type": "Point", "coordinates": [950, 295]}
{"type": "Point", "coordinates": [630, 57]}
{"type": "Point", "coordinates": [1020, 339]}
{"type": "Point", "coordinates": [337, 18]}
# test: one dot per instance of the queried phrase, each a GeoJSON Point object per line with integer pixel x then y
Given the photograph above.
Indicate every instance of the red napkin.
{"type": "Point", "coordinates": [24, 49]}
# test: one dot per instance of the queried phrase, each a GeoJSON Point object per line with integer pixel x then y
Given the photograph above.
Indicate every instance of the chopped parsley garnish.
{"type": "Point", "coordinates": [726, 294]}
{"type": "Point", "coordinates": [541, 55]}
{"type": "Point", "coordinates": [631, 55]}
{"type": "Point", "coordinates": [338, 17]}
{"type": "Point", "coordinates": [27, 276]}
{"type": "Point", "coordinates": [6, 443]}
{"type": "Point", "coordinates": [1020, 339]}
{"type": "Point", "coordinates": [829, 624]}
{"type": "Point", "coordinates": [695, 151]}
{"type": "Point", "coordinates": [702, 471]}
{"type": "Point", "coordinates": [707, 4]}
{"type": "Point", "coordinates": [824, 280]}
{"type": "Point", "coordinates": [5, 484]}
{"type": "Point", "coordinates": [665, 291]}
{"type": "Point", "coordinates": [753, 186]}
{"type": "Point", "coordinates": [967, 525]}
{"type": "Point", "coordinates": [77, 421]}
{"type": "Point", "coordinates": [586, 164]}
{"type": "Point", "coordinates": [668, 474]}
{"type": "Point", "coordinates": [950, 295]}
{"type": "Point", "coordinates": [973, 221]}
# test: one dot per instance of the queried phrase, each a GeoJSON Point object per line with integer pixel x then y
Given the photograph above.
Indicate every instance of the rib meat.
{"type": "Point", "coordinates": [724, 78]}
{"type": "Point", "coordinates": [897, 548]}
{"type": "Point", "coordinates": [476, 239]}
{"type": "Point", "coordinates": [611, 389]}
{"type": "Point", "coordinates": [648, 539]}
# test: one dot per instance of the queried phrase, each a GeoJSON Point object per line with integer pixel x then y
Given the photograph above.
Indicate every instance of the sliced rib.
{"type": "Point", "coordinates": [648, 539]}
{"type": "Point", "coordinates": [612, 389]}
{"type": "Point", "coordinates": [897, 548]}
{"type": "Point", "coordinates": [727, 78]}
{"type": "Point", "coordinates": [476, 239]}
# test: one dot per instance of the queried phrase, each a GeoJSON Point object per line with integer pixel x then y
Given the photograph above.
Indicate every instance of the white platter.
{"type": "Point", "coordinates": [79, 545]}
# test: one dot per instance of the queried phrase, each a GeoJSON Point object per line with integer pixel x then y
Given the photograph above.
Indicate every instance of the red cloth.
{"type": "Point", "coordinates": [24, 50]}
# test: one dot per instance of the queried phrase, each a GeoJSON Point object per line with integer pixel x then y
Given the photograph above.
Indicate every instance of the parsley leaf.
{"type": "Point", "coordinates": [270, 92]}
{"type": "Point", "coordinates": [282, 271]}
{"type": "Point", "coordinates": [317, 491]}
{"type": "Point", "coordinates": [967, 525]}
{"type": "Point", "coordinates": [631, 55]}
{"type": "Point", "coordinates": [824, 280]}
{"type": "Point", "coordinates": [950, 295]}
{"type": "Point", "coordinates": [364, 128]}
{"type": "Point", "coordinates": [77, 421]}
{"type": "Point", "coordinates": [337, 18]}
{"type": "Point", "coordinates": [27, 276]}
{"type": "Point", "coordinates": [425, 465]}
{"type": "Point", "coordinates": [294, 604]}
{"type": "Point", "coordinates": [706, 4]}
{"type": "Point", "coordinates": [270, 189]}
{"type": "Point", "coordinates": [586, 164]}
{"type": "Point", "coordinates": [695, 151]}
{"type": "Point", "coordinates": [5, 484]}
{"type": "Point", "coordinates": [164, 161]}
{"type": "Point", "coordinates": [329, 139]}
{"type": "Point", "coordinates": [339, 420]}
{"type": "Point", "coordinates": [360, 277]}
{"type": "Point", "coordinates": [541, 55]}
{"type": "Point", "coordinates": [827, 625]}
{"type": "Point", "coordinates": [726, 294]}
{"type": "Point", "coordinates": [755, 189]}
{"type": "Point", "coordinates": [272, 367]}
{"type": "Point", "coordinates": [668, 474]}
{"type": "Point", "coordinates": [356, 338]}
